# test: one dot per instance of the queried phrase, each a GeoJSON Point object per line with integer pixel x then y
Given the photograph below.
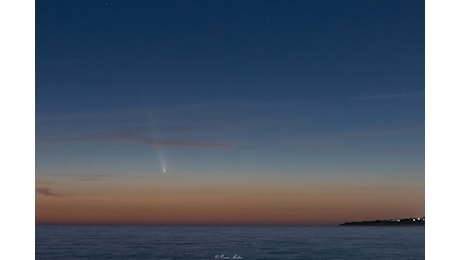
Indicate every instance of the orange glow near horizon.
{"type": "Point", "coordinates": [214, 202]}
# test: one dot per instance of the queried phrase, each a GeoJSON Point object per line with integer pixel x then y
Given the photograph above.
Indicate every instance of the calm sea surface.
{"type": "Point", "coordinates": [179, 242]}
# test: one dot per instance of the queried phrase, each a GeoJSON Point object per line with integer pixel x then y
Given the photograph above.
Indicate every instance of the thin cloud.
{"type": "Point", "coordinates": [136, 136]}
{"type": "Point", "coordinates": [390, 96]}
{"type": "Point", "coordinates": [45, 191]}
{"type": "Point", "coordinates": [93, 177]}
{"type": "Point", "coordinates": [344, 139]}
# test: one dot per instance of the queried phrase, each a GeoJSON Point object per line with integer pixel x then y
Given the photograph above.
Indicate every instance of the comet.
{"type": "Point", "coordinates": [162, 162]}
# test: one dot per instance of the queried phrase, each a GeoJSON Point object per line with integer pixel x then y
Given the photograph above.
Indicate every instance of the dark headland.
{"type": "Point", "coordinates": [391, 222]}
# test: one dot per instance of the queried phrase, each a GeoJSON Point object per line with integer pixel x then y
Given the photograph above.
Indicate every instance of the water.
{"type": "Point", "coordinates": [179, 242]}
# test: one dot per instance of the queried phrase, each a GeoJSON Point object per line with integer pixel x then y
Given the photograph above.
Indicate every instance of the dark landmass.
{"type": "Point", "coordinates": [391, 222]}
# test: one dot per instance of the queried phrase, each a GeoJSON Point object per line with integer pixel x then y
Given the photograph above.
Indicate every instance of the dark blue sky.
{"type": "Point", "coordinates": [94, 55]}
{"type": "Point", "coordinates": [311, 88]}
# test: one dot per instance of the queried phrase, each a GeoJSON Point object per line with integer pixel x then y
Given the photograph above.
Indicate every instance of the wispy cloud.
{"type": "Point", "coordinates": [363, 140]}
{"type": "Point", "coordinates": [93, 177]}
{"type": "Point", "coordinates": [45, 191]}
{"type": "Point", "coordinates": [137, 136]}
{"type": "Point", "coordinates": [389, 96]}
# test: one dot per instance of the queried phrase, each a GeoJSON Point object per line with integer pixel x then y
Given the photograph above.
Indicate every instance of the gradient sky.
{"type": "Point", "coordinates": [261, 112]}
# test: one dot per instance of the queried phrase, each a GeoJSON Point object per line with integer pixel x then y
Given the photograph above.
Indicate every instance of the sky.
{"type": "Point", "coordinates": [229, 112]}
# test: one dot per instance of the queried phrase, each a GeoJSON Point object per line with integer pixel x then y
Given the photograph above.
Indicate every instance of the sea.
{"type": "Point", "coordinates": [228, 242]}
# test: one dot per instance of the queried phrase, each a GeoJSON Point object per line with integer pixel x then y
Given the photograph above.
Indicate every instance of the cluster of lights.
{"type": "Point", "coordinates": [413, 220]}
